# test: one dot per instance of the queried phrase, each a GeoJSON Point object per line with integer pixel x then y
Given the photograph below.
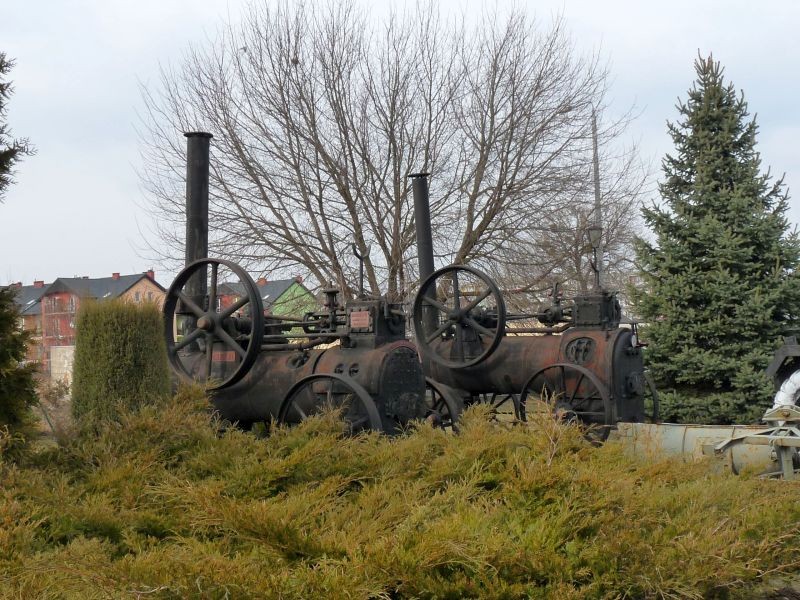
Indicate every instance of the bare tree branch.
{"type": "Point", "coordinates": [320, 115]}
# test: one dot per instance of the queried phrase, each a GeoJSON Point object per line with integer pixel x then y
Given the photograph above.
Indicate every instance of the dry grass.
{"type": "Point", "coordinates": [163, 505]}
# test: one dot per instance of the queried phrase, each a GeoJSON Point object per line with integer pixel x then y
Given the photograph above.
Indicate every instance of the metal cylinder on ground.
{"type": "Point", "coordinates": [695, 442]}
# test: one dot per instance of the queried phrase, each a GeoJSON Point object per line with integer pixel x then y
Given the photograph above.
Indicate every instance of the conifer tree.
{"type": "Point", "coordinates": [11, 150]}
{"type": "Point", "coordinates": [17, 392]}
{"type": "Point", "coordinates": [719, 280]}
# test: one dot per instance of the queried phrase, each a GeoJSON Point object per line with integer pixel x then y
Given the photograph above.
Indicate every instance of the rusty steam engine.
{"type": "Point", "coordinates": [356, 355]}
{"type": "Point", "coordinates": [578, 356]}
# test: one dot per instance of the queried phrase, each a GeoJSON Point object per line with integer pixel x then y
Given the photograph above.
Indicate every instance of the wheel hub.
{"type": "Point", "coordinates": [205, 323]}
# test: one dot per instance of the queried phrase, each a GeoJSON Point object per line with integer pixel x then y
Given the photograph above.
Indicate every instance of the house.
{"type": "Point", "coordinates": [280, 297]}
{"type": "Point", "coordinates": [50, 310]}
{"type": "Point", "coordinates": [27, 300]}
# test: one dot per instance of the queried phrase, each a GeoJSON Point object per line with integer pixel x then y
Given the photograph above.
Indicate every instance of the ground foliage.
{"type": "Point", "coordinates": [719, 282]}
{"type": "Point", "coordinates": [163, 504]}
{"type": "Point", "coordinates": [120, 358]}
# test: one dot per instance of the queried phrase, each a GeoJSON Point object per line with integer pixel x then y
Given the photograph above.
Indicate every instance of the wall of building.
{"type": "Point", "coordinates": [61, 359]}
{"type": "Point", "coordinates": [297, 300]}
{"type": "Point", "coordinates": [145, 290]}
{"type": "Point", "coordinates": [33, 325]}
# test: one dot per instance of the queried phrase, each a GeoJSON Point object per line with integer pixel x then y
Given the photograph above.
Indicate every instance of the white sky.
{"type": "Point", "coordinates": [76, 208]}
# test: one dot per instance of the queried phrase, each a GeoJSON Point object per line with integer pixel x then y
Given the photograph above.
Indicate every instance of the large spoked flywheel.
{"type": "Point", "coordinates": [213, 323]}
{"type": "Point", "coordinates": [459, 317]}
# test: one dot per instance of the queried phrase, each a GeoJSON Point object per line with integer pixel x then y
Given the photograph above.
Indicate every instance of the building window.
{"type": "Point", "coordinates": [149, 295]}
{"type": "Point", "coordinates": [71, 304]}
{"type": "Point", "coordinates": [137, 296]}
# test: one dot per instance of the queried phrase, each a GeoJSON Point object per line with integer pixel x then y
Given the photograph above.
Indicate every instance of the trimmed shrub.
{"type": "Point", "coordinates": [120, 359]}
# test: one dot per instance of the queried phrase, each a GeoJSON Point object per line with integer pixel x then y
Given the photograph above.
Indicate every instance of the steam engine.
{"type": "Point", "coordinates": [354, 357]}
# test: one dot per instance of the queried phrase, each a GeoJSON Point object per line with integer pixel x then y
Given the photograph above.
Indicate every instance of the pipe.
{"type": "Point", "coordinates": [598, 207]}
{"type": "Point", "coordinates": [693, 442]}
{"type": "Point", "coordinates": [788, 393]}
{"type": "Point", "coordinates": [197, 168]}
{"type": "Point", "coordinates": [557, 329]}
{"type": "Point", "coordinates": [422, 220]}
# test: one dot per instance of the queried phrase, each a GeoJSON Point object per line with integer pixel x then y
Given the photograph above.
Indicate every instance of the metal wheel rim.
{"type": "Point", "coordinates": [585, 374]}
{"type": "Point", "coordinates": [371, 417]}
{"type": "Point", "coordinates": [655, 417]}
{"type": "Point", "coordinates": [448, 404]}
{"type": "Point", "coordinates": [217, 334]}
{"type": "Point", "coordinates": [424, 339]}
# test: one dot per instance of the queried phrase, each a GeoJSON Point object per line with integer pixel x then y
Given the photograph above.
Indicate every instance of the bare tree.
{"type": "Point", "coordinates": [320, 115]}
{"type": "Point", "coordinates": [558, 249]}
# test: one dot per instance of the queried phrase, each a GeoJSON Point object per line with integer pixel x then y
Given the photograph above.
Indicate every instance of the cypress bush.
{"type": "Point", "coordinates": [120, 359]}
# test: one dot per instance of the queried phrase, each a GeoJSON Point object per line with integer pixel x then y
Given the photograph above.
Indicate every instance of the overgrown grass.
{"type": "Point", "coordinates": [161, 504]}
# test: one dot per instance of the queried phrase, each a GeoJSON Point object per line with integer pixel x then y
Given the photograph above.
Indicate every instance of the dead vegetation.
{"type": "Point", "coordinates": [162, 504]}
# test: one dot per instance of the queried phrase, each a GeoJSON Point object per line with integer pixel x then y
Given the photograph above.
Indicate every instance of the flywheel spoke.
{"type": "Point", "coordinates": [478, 327]}
{"type": "Point", "coordinates": [234, 307]}
{"type": "Point", "coordinates": [209, 354]}
{"type": "Point", "coordinates": [232, 343]}
{"type": "Point", "coordinates": [439, 331]}
{"type": "Point", "coordinates": [187, 339]}
{"type": "Point", "coordinates": [189, 303]}
{"type": "Point", "coordinates": [474, 304]}
{"type": "Point", "coordinates": [436, 304]}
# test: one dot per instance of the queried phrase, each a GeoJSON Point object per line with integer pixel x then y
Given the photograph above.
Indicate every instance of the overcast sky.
{"type": "Point", "coordinates": [76, 208]}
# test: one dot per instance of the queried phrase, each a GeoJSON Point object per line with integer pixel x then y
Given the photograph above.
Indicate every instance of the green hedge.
{"type": "Point", "coordinates": [120, 359]}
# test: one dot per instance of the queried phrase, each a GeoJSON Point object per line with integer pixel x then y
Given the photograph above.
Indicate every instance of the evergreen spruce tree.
{"type": "Point", "coordinates": [17, 392]}
{"type": "Point", "coordinates": [11, 150]}
{"type": "Point", "coordinates": [719, 281]}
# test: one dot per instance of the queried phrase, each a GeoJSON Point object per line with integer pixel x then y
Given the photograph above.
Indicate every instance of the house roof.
{"type": "Point", "coordinates": [269, 291]}
{"type": "Point", "coordinates": [100, 287]}
{"type": "Point", "coordinates": [27, 299]}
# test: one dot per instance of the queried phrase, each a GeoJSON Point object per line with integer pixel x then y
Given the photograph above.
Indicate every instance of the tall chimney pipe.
{"type": "Point", "coordinates": [422, 220]}
{"type": "Point", "coordinates": [197, 168]}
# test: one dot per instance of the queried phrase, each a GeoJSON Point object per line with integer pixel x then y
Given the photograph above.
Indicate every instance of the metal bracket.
{"type": "Point", "coordinates": [784, 438]}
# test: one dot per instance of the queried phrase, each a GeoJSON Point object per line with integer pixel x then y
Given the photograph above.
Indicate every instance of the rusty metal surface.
{"type": "Point", "coordinates": [391, 374]}
{"type": "Point", "coordinates": [609, 354]}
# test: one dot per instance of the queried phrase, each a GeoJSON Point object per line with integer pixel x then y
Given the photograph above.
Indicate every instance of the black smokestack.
{"type": "Point", "coordinates": [422, 217]}
{"type": "Point", "coordinates": [197, 166]}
